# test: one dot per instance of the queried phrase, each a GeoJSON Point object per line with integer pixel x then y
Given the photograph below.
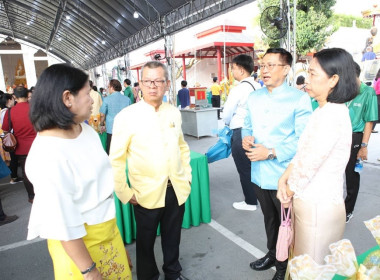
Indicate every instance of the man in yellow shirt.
{"type": "Point", "coordinates": [149, 135]}
{"type": "Point", "coordinates": [216, 90]}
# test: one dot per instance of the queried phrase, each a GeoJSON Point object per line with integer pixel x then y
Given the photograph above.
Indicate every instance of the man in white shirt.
{"type": "Point", "coordinates": [234, 113]}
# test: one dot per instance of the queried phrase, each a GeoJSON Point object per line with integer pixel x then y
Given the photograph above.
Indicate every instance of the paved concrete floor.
{"type": "Point", "coordinates": [221, 250]}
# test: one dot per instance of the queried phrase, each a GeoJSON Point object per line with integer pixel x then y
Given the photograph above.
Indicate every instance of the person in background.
{"type": "Point", "coordinates": [376, 87]}
{"type": "Point", "coordinates": [23, 131]}
{"type": "Point", "coordinates": [4, 219]}
{"type": "Point", "coordinates": [216, 91]}
{"type": "Point", "coordinates": [7, 101]}
{"type": "Point", "coordinates": [128, 90]}
{"type": "Point", "coordinates": [158, 170]}
{"type": "Point", "coordinates": [369, 54]}
{"type": "Point", "coordinates": [184, 95]}
{"type": "Point", "coordinates": [276, 117]}
{"type": "Point", "coordinates": [137, 92]}
{"type": "Point", "coordinates": [363, 112]}
{"type": "Point", "coordinates": [97, 100]}
{"type": "Point", "coordinates": [101, 90]}
{"type": "Point", "coordinates": [234, 114]}
{"type": "Point", "coordinates": [74, 206]}
{"type": "Point", "coordinates": [111, 106]}
{"type": "Point", "coordinates": [300, 83]}
{"type": "Point", "coordinates": [257, 79]}
{"type": "Point", "coordinates": [314, 178]}
{"type": "Point", "coordinates": [30, 93]}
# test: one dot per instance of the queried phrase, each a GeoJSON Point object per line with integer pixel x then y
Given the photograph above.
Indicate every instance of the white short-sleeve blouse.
{"type": "Point", "coordinates": [73, 183]}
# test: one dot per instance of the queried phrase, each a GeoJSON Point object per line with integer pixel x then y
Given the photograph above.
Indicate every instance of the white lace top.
{"type": "Point", "coordinates": [322, 155]}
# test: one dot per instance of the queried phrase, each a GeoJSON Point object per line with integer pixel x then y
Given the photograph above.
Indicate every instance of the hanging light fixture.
{"type": "Point", "coordinates": [135, 14]}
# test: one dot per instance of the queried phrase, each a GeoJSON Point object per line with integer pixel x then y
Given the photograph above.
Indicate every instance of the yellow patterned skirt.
{"type": "Point", "coordinates": [106, 248]}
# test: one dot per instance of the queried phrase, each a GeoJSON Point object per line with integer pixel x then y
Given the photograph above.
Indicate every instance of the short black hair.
{"type": "Point", "coordinates": [4, 99]}
{"type": "Point", "coordinates": [20, 92]}
{"type": "Point", "coordinates": [136, 84]}
{"type": "Point", "coordinates": [336, 61]}
{"type": "Point", "coordinates": [357, 69]}
{"type": "Point", "coordinates": [127, 81]}
{"type": "Point", "coordinates": [183, 83]}
{"type": "Point", "coordinates": [285, 56]}
{"type": "Point", "coordinates": [300, 80]}
{"type": "Point", "coordinates": [91, 83]}
{"type": "Point", "coordinates": [244, 61]}
{"type": "Point", "coordinates": [47, 109]}
{"type": "Point", "coordinates": [95, 88]}
{"type": "Point", "coordinates": [214, 79]}
{"type": "Point", "coordinates": [101, 90]}
{"type": "Point", "coordinates": [115, 84]}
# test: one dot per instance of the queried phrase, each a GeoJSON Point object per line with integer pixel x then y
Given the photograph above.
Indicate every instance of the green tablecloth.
{"type": "Point", "coordinates": [360, 259]}
{"type": "Point", "coordinates": [197, 206]}
{"type": "Point", "coordinates": [103, 139]}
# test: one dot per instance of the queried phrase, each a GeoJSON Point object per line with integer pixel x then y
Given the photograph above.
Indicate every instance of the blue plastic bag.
{"type": "Point", "coordinates": [222, 148]}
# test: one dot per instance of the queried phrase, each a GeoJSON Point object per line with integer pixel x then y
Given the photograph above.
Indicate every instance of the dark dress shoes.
{"type": "Point", "coordinates": [263, 264]}
{"type": "Point", "coordinates": [280, 275]}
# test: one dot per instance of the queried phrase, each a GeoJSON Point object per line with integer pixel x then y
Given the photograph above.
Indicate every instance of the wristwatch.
{"type": "Point", "coordinates": [364, 145]}
{"type": "Point", "coordinates": [270, 154]}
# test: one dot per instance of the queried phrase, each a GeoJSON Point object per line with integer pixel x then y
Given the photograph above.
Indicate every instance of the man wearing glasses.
{"type": "Point", "coordinates": [149, 135]}
{"type": "Point", "coordinates": [276, 116]}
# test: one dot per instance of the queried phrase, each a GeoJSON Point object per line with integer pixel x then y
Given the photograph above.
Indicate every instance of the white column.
{"type": "Point", "coordinates": [30, 68]}
{"type": "Point", "coordinates": [2, 82]}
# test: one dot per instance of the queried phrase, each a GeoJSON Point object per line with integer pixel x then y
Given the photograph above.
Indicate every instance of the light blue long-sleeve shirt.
{"type": "Point", "coordinates": [111, 106]}
{"type": "Point", "coordinates": [276, 120]}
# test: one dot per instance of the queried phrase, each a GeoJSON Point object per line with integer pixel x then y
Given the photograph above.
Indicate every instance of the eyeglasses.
{"type": "Point", "coordinates": [270, 66]}
{"type": "Point", "coordinates": [156, 83]}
